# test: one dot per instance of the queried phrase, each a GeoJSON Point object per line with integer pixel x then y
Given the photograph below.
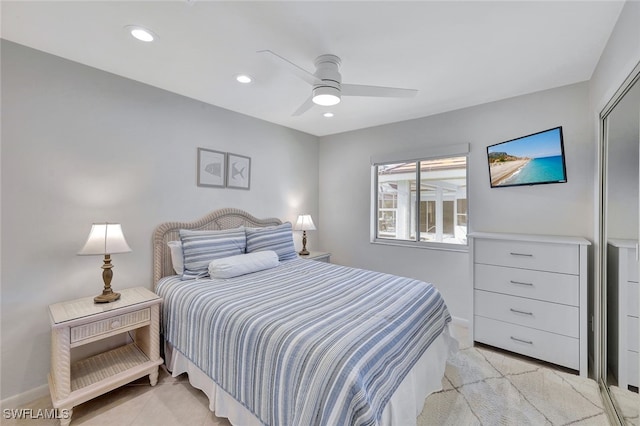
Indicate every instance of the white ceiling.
{"type": "Point", "coordinates": [457, 54]}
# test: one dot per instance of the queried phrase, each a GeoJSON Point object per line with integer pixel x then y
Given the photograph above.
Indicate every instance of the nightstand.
{"type": "Point", "coordinates": [320, 256]}
{"type": "Point", "coordinates": [78, 322]}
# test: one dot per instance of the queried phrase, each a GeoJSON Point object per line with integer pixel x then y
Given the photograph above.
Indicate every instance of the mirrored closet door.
{"type": "Point", "coordinates": [620, 252]}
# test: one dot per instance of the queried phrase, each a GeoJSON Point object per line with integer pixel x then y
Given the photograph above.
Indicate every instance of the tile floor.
{"type": "Point", "coordinates": [487, 387]}
{"type": "Point", "coordinates": [628, 404]}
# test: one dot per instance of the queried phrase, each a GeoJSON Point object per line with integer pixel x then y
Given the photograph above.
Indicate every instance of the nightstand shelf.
{"type": "Point", "coordinates": [108, 366]}
{"type": "Point", "coordinates": [80, 322]}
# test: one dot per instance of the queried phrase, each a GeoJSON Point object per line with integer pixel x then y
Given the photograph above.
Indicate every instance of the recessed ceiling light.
{"type": "Point", "coordinates": [141, 33]}
{"type": "Point", "coordinates": [328, 114]}
{"type": "Point", "coordinates": [243, 78]}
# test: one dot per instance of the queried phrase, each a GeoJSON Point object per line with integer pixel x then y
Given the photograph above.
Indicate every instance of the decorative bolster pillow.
{"type": "Point", "coordinates": [242, 264]}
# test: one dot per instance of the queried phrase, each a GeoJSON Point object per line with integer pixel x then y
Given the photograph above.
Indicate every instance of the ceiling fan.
{"type": "Point", "coordinates": [327, 83]}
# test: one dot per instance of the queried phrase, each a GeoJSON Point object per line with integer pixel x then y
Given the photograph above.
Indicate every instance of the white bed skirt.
{"type": "Point", "coordinates": [403, 409]}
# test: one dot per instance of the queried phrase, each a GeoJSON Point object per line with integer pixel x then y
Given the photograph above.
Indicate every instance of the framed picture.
{"type": "Point", "coordinates": [238, 171]}
{"type": "Point", "coordinates": [211, 168]}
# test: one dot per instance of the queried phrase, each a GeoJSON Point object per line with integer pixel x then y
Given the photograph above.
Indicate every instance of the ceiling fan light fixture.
{"type": "Point", "coordinates": [326, 96]}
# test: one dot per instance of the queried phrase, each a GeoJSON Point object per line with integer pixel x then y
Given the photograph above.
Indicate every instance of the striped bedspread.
{"type": "Point", "coordinates": [305, 343]}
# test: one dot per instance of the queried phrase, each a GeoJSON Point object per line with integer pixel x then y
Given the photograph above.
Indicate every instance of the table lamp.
{"type": "Point", "coordinates": [304, 224]}
{"type": "Point", "coordinates": [105, 239]}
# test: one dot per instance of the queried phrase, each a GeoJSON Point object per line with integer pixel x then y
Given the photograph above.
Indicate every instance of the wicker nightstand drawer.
{"type": "Point", "coordinates": [87, 331]}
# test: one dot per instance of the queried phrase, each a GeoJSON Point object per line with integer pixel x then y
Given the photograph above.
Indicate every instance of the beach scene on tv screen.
{"type": "Point", "coordinates": [528, 160]}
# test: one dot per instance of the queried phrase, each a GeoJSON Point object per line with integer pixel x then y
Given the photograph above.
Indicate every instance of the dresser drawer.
{"type": "Point", "coordinates": [632, 368]}
{"type": "Point", "coordinates": [632, 265]}
{"type": "Point", "coordinates": [563, 258]}
{"type": "Point", "coordinates": [98, 328]}
{"type": "Point", "coordinates": [546, 316]}
{"type": "Point", "coordinates": [538, 344]}
{"type": "Point", "coordinates": [632, 334]}
{"type": "Point", "coordinates": [632, 299]}
{"type": "Point", "coordinates": [549, 286]}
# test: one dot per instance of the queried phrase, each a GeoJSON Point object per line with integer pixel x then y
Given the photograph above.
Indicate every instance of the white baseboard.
{"type": "Point", "coordinates": [460, 322]}
{"type": "Point", "coordinates": [24, 398]}
{"type": "Point", "coordinates": [460, 330]}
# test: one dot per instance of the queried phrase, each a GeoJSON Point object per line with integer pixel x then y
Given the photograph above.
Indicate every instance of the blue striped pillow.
{"type": "Point", "coordinates": [277, 238]}
{"type": "Point", "coordinates": [201, 247]}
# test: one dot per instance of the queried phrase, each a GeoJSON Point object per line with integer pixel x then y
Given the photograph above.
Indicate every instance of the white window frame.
{"type": "Point", "coordinates": [427, 154]}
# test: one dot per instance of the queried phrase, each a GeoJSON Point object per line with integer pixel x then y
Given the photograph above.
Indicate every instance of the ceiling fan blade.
{"type": "Point", "coordinates": [306, 106]}
{"type": "Point", "coordinates": [300, 72]}
{"type": "Point", "coordinates": [378, 91]}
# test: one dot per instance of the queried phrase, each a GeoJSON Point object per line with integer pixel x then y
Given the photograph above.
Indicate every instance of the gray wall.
{"type": "Point", "coordinates": [556, 209]}
{"type": "Point", "coordinates": [81, 145]}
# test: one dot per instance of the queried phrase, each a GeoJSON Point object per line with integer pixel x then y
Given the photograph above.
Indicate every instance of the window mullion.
{"type": "Point", "coordinates": [377, 204]}
{"type": "Point", "coordinates": [418, 190]}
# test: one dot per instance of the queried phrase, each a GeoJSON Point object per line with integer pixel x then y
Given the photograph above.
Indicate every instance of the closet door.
{"type": "Point", "coordinates": [619, 242]}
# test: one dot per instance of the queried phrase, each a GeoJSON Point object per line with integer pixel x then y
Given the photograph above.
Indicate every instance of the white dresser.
{"type": "Point", "coordinates": [530, 296]}
{"type": "Point", "coordinates": [622, 311]}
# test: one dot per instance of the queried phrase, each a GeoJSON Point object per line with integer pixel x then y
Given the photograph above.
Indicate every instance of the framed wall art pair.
{"type": "Point", "coordinates": [223, 169]}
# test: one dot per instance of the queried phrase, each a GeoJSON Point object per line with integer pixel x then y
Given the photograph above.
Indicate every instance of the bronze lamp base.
{"type": "Point", "coordinates": [304, 251]}
{"type": "Point", "coordinates": [107, 295]}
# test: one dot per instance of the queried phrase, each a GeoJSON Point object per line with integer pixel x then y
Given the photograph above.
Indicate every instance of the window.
{"type": "Point", "coordinates": [431, 213]}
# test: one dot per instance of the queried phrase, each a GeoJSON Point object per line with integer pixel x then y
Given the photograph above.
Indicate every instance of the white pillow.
{"type": "Point", "coordinates": [234, 266]}
{"type": "Point", "coordinates": [177, 258]}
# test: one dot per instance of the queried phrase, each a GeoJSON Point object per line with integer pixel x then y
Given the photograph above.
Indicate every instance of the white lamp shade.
{"type": "Point", "coordinates": [105, 238]}
{"type": "Point", "coordinates": [304, 223]}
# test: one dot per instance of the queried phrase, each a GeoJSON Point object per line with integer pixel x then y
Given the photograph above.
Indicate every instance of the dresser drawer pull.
{"type": "Point", "coordinates": [528, 342]}
{"type": "Point", "coordinates": [521, 254]}
{"type": "Point", "coordinates": [521, 283]}
{"type": "Point", "coordinates": [521, 312]}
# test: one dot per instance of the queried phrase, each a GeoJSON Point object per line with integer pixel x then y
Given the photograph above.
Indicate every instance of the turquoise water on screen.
{"type": "Point", "coordinates": [538, 170]}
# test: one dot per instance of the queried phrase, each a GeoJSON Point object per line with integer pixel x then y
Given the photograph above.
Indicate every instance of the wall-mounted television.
{"type": "Point", "coordinates": [528, 160]}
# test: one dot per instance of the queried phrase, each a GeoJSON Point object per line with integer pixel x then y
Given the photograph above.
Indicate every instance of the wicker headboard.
{"type": "Point", "coordinates": [218, 219]}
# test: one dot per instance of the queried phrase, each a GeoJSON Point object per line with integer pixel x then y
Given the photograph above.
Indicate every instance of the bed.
{"type": "Point", "coordinates": [300, 342]}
